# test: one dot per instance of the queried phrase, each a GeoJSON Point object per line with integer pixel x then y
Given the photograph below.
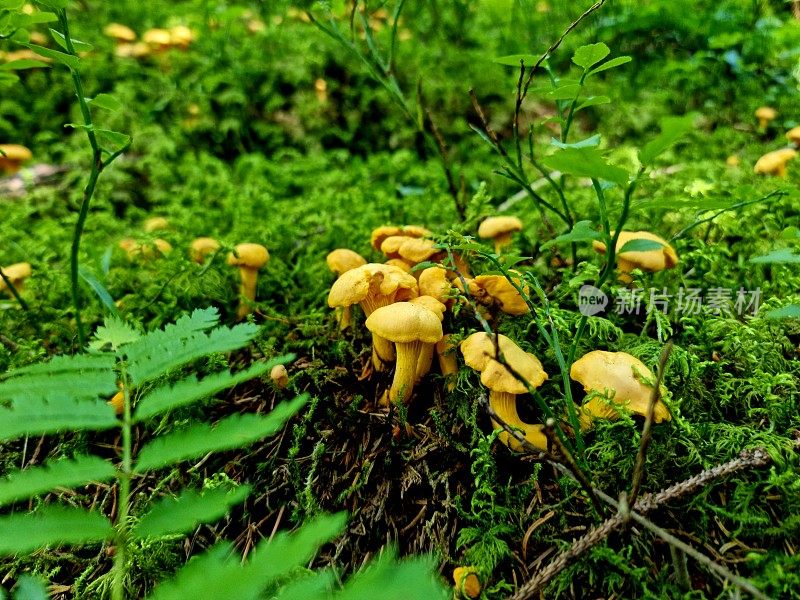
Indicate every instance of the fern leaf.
{"type": "Point", "coordinates": [158, 353]}
{"type": "Point", "coordinates": [50, 526]}
{"type": "Point", "coordinates": [214, 576]}
{"type": "Point", "coordinates": [114, 333]}
{"type": "Point", "coordinates": [315, 586]}
{"type": "Point", "coordinates": [191, 390]}
{"type": "Point", "coordinates": [38, 416]}
{"type": "Point", "coordinates": [232, 432]}
{"type": "Point", "coordinates": [82, 376]}
{"type": "Point", "coordinates": [64, 473]}
{"type": "Point", "coordinates": [187, 511]}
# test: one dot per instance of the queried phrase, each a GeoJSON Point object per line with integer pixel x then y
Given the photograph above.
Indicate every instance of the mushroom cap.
{"type": "Point", "coordinates": [417, 250]}
{"type": "Point", "coordinates": [379, 234]}
{"type": "Point", "coordinates": [479, 353]}
{"type": "Point", "coordinates": [135, 50]}
{"type": "Point", "coordinates": [404, 323]}
{"type": "Point", "coordinates": [157, 37]}
{"type": "Point", "coordinates": [647, 260]}
{"type": "Point", "coordinates": [252, 256]}
{"type": "Point", "coordinates": [162, 246]}
{"type": "Point", "coordinates": [155, 224]}
{"type": "Point", "coordinates": [355, 285]}
{"type": "Point", "coordinates": [16, 273]}
{"type": "Point", "coordinates": [766, 112]}
{"type": "Point", "coordinates": [773, 161]}
{"type": "Point", "coordinates": [15, 153]}
{"type": "Point", "coordinates": [466, 581]}
{"type": "Point", "coordinates": [621, 374]}
{"type": "Point", "coordinates": [279, 376]}
{"type": "Point", "coordinates": [119, 32]}
{"type": "Point", "coordinates": [342, 260]}
{"type": "Point", "coordinates": [181, 35]}
{"type": "Point", "coordinates": [202, 246]}
{"type": "Point", "coordinates": [505, 294]}
{"type": "Point", "coordinates": [494, 226]}
{"type": "Point", "coordinates": [431, 303]}
{"type": "Point", "coordinates": [390, 246]}
{"type": "Point", "coordinates": [793, 135]}
{"type": "Point", "coordinates": [433, 282]}
{"type": "Point", "coordinates": [400, 263]}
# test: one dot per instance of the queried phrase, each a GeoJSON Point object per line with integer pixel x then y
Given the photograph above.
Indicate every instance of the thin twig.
{"type": "Point", "coordinates": [644, 442]}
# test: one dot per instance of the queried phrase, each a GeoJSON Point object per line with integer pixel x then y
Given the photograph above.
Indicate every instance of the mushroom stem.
{"type": "Point", "coordinates": [425, 360]}
{"type": "Point", "coordinates": [405, 373]}
{"type": "Point", "coordinates": [247, 289]}
{"type": "Point", "coordinates": [382, 352]}
{"type": "Point", "coordinates": [504, 405]}
{"type": "Point", "coordinates": [501, 241]}
{"type": "Point", "coordinates": [448, 364]}
{"type": "Point", "coordinates": [345, 317]}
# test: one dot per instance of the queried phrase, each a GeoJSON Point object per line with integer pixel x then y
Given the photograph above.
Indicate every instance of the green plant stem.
{"type": "Point", "coordinates": [572, 106]}
{"type": "Point", "coordinates": [125, 475]}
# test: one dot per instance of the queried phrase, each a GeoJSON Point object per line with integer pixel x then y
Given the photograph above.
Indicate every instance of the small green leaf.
{"type": "Point", "coordinates": [791, 311]}
{"type": "Point", "coordinates": [513, 60]}
{"type": "Point", "coordinates": [593, 101]}
{"type": "Point", "coordinates": [51, 526]}
{"type": "Point", "coordinates": [566, 92]}
{"type": "Point", "coordinates": [24, 20]}
{"type": "Point", "coordinates": [187, 511]}
{"type": "Point", "coordinates": [112, 140]}
{"type": "Point", "coordinates": [65, 59]}
{"type": "Point", "coordinates": [672, 130]}
{"type": "Point", "coordinates": [783, 256]}
{"type": "Point", "coordinates": [114, 333]}
{"type": "Point", "coordinates": [106, 102]}
{"type": "Point", "coordinates": [581, 232]}
{"type": "Point", "coordinates": [610, 64]}
{"type": "Point", "coordinates": [640, 246]}
{"type": "Point", "coordinates": [23, 63]}
{"type": "Point", "coordinates": [589, 55]}
{"type": "Point", "coordinates": [585, 162]}
{"type": "Point", "coordinates": [62, 41]}
{"type": "Point", "coordinates": [99, 289]}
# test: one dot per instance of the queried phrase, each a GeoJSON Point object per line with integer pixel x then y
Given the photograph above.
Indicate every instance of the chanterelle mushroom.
{"type": "Point", "coordinates": [202, 247]}
{"type": "Point", "coordinates": [12, 157]}
{"type": "Point", "coordinates": [340, 261]}
{"type": "Point", "coordinates": [479, 353]}
{"type": "Point", "coordinates": [774, 163]}
{"type": "Point", "coordinates": [426, 356]}
{"type": "Point", "coordinates": [503, 293]}
{"type": "Point", "coordinates": [119, 33]}
{"type": "Point", "coordinates": [793, 135]}
{"type": "Point", "coordinates": [249, 258]}
{"type": "Point", "coordinates": [410, 327]}
{"type": "Point", "coordinates": [373, 286]}
{"type": "Point", "coordinates": [379, 234]}
{"type": "Point", "coordinates": [499, 229]}
{"type": "Point", "coordinates": [765, 114]}
{"type": "Point", "coordinates": [467, 582]}
{"type": "Point", "coordinates": [155, 224]}
{"type": "Point", "coordinates": [620, 377]}
{"type": "Point", "coordinates": [657, 259]}
{"type": "Point", "coordinates": [16, 274]}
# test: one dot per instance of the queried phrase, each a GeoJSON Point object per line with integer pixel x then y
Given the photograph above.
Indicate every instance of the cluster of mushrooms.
{"type": "Point", "coordinates": [153, 41]}
{"type": "Point", "coordinates": [773, 163]}
{"type": "Point", "coordinates": [248, 257]}
{"type": "Point", "coordinates": [405, 309]}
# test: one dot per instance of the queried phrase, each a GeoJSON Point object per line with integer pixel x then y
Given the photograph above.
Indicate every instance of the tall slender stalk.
{"type": "Point", "coordinates": [124, 476]}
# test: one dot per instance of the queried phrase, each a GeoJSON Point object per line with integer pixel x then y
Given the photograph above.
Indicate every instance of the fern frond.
{"type": "Point", "coordinates": [81, 376]}
{"type": "Point", "coordinates": [315, 585]}
{"type": "Point", "coordinates": [114, 333]}
{"type": "Point", "coordinates": [38, 416]}
{"type": "Point", "coordinates": [215, 576]}
{"type": "Point", "coordinates": [232, 432]}
{"type": "Point", "coordinates": [191, 390]}
{"type": "Point", "coordinates": [158, 353]}
{"type": "Point", "coordinates": [64, 473]}
{"type": "Point", "coordinates": [52, 525]}
{"type": "Point", "coordinates": [187, 511]}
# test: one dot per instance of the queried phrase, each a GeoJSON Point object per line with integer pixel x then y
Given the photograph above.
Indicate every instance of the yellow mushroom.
{"type": "Point", "coordinates": [426, 356]}
{"type": "Point", "coordinates": [433, 282]}
{"type": "Point", "coordinates": [658, 259]}
{"type": "Point", "coordinates": [381, 233]}
{"type": "Point", "coordinates": [467, 582]}
{"type": "Point", "coordinates": [12, 156]}
{"type": "Point", "coordinates": [155, 224]}
{"type": "Point", "coordinates": [160, 39]}
{"type": "Point", "coordinates": [774, 163]}
{"type": "Point", "coordinates": [793, 135]}
{"type": "Point", "coordinates": [499, 230]}
{"type": "Point", "coordinates": [480, 354]}
{"type": "Point", "coordinates": [279, 376]}
{"type": "Point", "coordinates": [340, 261]}
{"type": "Point", "coordinates": [411, 328]}
{"type": "Point", "coordinates": [619, 381]}
{"type": "Point", "coordinates": [16, 274]}
{"type": "Point", "coordinates": [765, 114]}
{"type": "Point", "coordinates": [119, 33]}
{"type": "Point", "coordinates": [249, 258]}
{"type": "Point", "coordinates": [448, 363]}
{"type": "Point", "coordinates": [181, 36]}
{"type": "Point", "coordinates": [202, 247]}
{"type": "Point", "coordinates": [502, 293]}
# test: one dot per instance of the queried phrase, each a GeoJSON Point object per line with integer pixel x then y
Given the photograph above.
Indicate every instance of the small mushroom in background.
{"type": "Point", "coordinates": [12, 156]}
{"type": "Point", "coordinates": [503, 294]}
{"type": "Point", "coordinates": [499, 229]}
{"type": "Point", "coordinates": [181, 36]}
{"type": "Point", "coordinates": [134, 249]}
{"type": "Point", "coordinates": [479, 353]}
{"type": "Point", "coordinates": [249, 258]}
{"type": "Point", "coordinates": [134, 50]}
{"type": "Point", "coordinates": [16, 274]}
{"type": "Point", "coordinates": [657, 259]}
{"type": "Point", "coordinates": [158, 39]}
{"type": "Point", "coordinates": [412, 329]}
{"type": "Point", "coordinates": [765, 115]}
{"type": "Point", "coordinates": [279, 376]}
{"type": "Point", "coordinates": [118, 402]}
{"type": "Point", "coordinates": [466, 581]}
{"type": "Point", "coordinates": [340, 261]}
{"type": "Point", "coordinates": [774, 163]}
{"type": "Point", "coordinates": [374, 286]}
{"type": "Point", "coordinates": [793, 135]}
{"type": "Point", "coordinates": [155, 224]}
{"type": "Point", "coordinates": [621, 377]}
{"type": "Point", "coordinates": [121, 34]}
{"type": "Point", "coordinates": [202, 247]}
{"type": "Point", "coordinates": [733, 161]}
{"type": "Point", "coordinates": [379, 234]}
{"type": "Point", "coordinates": [321, 90]}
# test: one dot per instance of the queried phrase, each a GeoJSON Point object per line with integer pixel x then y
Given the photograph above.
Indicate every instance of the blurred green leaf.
{"type": "Point", "coordinates": [62, 41]}
{"type": "Point", "coordinates": [672, 130]}
{"type": "Point", "coordinates": [640, 246]}
{"type": "Point", "coordinates": [106, 102]}
{"type": "Point", "coordinates": [582, 231]}
{"type": "Point", "coordinates": [610, 64]}
{"type": "Point", "coordinates": [65, 59]}
{"type": "Point", "coordinates": [23, 63]}
{"type": "Point", "coordinates": [585, 162]}
{"type": "Point", "coordinates": [589, 55]}
{"type": "Point", "coordinates": [782, 256]}
{"type": "Point", "coordinates": [513, 60]}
